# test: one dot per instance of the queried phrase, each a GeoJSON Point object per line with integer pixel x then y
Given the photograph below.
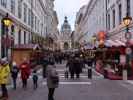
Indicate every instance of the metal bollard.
{"type": "Point", "coordinates": [105, 73]}
{"type": "Point", "coordinates": [89, 73]}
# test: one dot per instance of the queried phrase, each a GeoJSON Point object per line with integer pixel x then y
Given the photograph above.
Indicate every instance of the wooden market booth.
{"type": "Point", "coordinates": [25, 51]}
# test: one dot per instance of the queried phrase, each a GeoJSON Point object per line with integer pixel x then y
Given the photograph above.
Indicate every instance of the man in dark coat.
{"type": "Point", "coordinates": [45, 64]}
{"type": "Point", "coordinates": [77, 67]}
{"type": "Point", "coordinates": [71, 67]}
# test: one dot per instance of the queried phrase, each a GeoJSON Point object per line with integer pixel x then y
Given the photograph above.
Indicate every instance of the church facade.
{"type": "Point", "coordinates": [65, 35]}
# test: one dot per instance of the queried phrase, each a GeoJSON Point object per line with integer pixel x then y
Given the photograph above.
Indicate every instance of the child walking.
{"type": "Point", "coordinates": [35, 79]}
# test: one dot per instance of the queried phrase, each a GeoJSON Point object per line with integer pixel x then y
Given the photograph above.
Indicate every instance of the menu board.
{"type": "Point", "coordinates": [89, 54]}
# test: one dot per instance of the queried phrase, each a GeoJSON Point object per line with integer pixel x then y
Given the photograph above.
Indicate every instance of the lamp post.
{"type": "Point", "coordinates": [7, 23]}
{"type": "Point", "coordinates": [94, 40]}
{"type": "Point", "coordinates": [127, 21]}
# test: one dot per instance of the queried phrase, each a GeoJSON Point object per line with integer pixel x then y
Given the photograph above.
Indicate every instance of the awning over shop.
{"type": "Point", "coordinates": [27, 46]}
{"type": "Point", "coordinates": [110, 43]}
{"type": "Point", "coordinates": [88, 46]}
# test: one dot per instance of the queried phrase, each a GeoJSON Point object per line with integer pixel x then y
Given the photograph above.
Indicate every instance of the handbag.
{"type": "Point", "coordinates": [55, 79]}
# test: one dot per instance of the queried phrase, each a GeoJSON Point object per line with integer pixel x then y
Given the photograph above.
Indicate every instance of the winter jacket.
{"type": "Point", "coordinates": [51, 72]}
{"type": "Point", "coordinates": [4, 74]}
{"type": "Point", "coordinates": [14, 72]}
{"type": "Point", "coordinates": [25, 70]}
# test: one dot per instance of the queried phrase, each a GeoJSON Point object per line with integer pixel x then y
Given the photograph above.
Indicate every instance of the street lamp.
{"type": "Point", "coordinates": [94, 40]}
{"type": "Point", "coordinates": [7, 22]}
{"type": "Point", "coordinates": [127, 21]}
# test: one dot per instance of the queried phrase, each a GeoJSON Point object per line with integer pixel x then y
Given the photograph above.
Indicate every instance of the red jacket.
{"type": "Point", "coordinates": [25, 70]}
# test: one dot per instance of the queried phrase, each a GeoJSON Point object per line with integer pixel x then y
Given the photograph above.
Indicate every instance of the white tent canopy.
{"type": "Point", "coordinates": [116, 43]}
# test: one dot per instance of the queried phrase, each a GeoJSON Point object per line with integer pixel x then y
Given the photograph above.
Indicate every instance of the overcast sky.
{"type": "Point", "coordinates": [68, 8]}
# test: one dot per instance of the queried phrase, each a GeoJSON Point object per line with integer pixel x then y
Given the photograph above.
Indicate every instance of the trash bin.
{"type": "Point", "coordinates": [89, 73]}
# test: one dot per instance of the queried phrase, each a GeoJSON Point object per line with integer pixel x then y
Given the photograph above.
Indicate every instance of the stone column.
{"type": "Point", "coordinates": [111, 19]}
{"type": "Point", "coordinates": [117, 15]}
{"type": "Point", "coordinates": [124, 8]}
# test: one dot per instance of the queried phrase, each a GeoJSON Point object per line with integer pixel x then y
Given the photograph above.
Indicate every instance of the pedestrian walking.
{"type": "Point", "coordinates": [35, 79]}
{"type": "Point", "coordinates": [44, 66]}
{"type": "Point", "coordinates": [14, 74]}
{"type": "Point", "coordinates": [52, 80]}
{"type": "Point", "coordinates": [4, 77]}
{"type": "Point", "coordinates": [77, 67]}
{"type": "Point", "coordinates": [25, 73]}
{"type": "Point", "coordinates": [70, 66]}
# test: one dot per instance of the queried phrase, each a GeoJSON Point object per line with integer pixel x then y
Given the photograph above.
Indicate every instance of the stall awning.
{"type": "Point", "coordinates": [110, 43]}
{"type": "Point", "coordinates": [27, 46]}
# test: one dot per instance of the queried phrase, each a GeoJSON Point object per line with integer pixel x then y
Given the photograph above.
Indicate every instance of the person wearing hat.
{"type": "Point", "coordinates": [4, 77]}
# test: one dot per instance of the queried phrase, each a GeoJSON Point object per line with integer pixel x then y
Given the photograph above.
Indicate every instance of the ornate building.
{"type": "Point", "coordinates": [65, 37]}
{"type": "Point", "coordinates": [32, 22]}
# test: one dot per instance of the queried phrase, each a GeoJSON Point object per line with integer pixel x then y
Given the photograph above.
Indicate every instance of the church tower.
{"type": "Point", "coordinates": [66, 35]}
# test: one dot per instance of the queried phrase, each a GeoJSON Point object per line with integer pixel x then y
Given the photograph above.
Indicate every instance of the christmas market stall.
{"type": "Point", "coordinates": [31, 52]}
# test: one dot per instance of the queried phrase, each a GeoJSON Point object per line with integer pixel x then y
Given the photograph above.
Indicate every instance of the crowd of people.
{"type": "Point", "coordinates": [74, 64]}
{"type": "Point", "coordinates": [12, 70]}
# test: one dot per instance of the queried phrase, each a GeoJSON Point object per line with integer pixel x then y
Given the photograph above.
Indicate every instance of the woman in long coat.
{"type": "Point", "coordinates": [25, 73]}
{"type": "Point", "coordinates": [52, 79]}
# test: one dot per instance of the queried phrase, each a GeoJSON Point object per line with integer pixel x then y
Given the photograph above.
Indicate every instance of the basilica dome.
{"type": "Point", "coordinates": [66, 28]}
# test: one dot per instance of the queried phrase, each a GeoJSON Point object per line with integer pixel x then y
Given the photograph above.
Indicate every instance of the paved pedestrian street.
{"type": "Point", "coordinates": [97, 88]}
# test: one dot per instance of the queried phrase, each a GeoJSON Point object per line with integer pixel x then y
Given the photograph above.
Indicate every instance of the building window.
{"type": "Point", "coordinates": [113, 18]}
{"type": "Point", "coordinates": [108, 1]}
{"type": "Point", "coordinates": [12, 30]}
{"type": "Point", "coordinates": [24, 37]}
{"type": "Point", "coordinates": [120, 14]}
{"type": "Point", "coordinates": [108, 21]}
{"type": "Point", "coordinates": [13, 6]}
{"type": "Point", "coordinates": [29, 17]}
{"type": "Point", "coordinates": [29, 37]}
{"type": "Point", "coordinates": [19, 8]}
{"type": "Point", "coordinates": [35, 22]}
{"type": "Point", "coordinates": [32, 19]}
{"type": "Point", "coordinates": [19, 37]}
{"type": "Point", "coordinates": [4, 3]}
{"type": "Point", "coordinates": [128, 7]}
{"type": "Point", "coordinates": [25, 13]}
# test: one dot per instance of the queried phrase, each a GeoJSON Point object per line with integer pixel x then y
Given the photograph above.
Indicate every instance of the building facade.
{"type": "Point", "coordinates": [65, 35]}
{"type": "Point", "coordinates": [79, 29]}
{"type": "Point", "coordinates": [104, 15]}
{"type": "Point", "coordinates": [116, 11]}
{"type": "Point", "coordinates": [91, 20]}
{"type": "Point", "coordinates": [31, 21]}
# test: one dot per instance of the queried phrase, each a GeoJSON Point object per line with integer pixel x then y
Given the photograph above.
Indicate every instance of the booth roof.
{"type": "Point", "coordinates": [27, 46]}
{"type": "Point", "coordinates": [110, 43]}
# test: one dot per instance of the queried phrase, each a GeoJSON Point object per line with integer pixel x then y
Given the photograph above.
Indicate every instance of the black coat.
{"type": "Point", "coordinates": [14, 72]}
{"type": "Point", "coordinates": [70, 66]}
{"type": "Point", "coordinates": [77, 66]}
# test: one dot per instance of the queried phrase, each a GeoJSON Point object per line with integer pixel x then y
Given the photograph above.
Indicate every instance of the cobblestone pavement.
{"type": "Point", "coordinates": [97, 88]}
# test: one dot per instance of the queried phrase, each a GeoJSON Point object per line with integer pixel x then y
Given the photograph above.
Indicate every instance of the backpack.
{"type": "Point", "coordinates": [35, 77]}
